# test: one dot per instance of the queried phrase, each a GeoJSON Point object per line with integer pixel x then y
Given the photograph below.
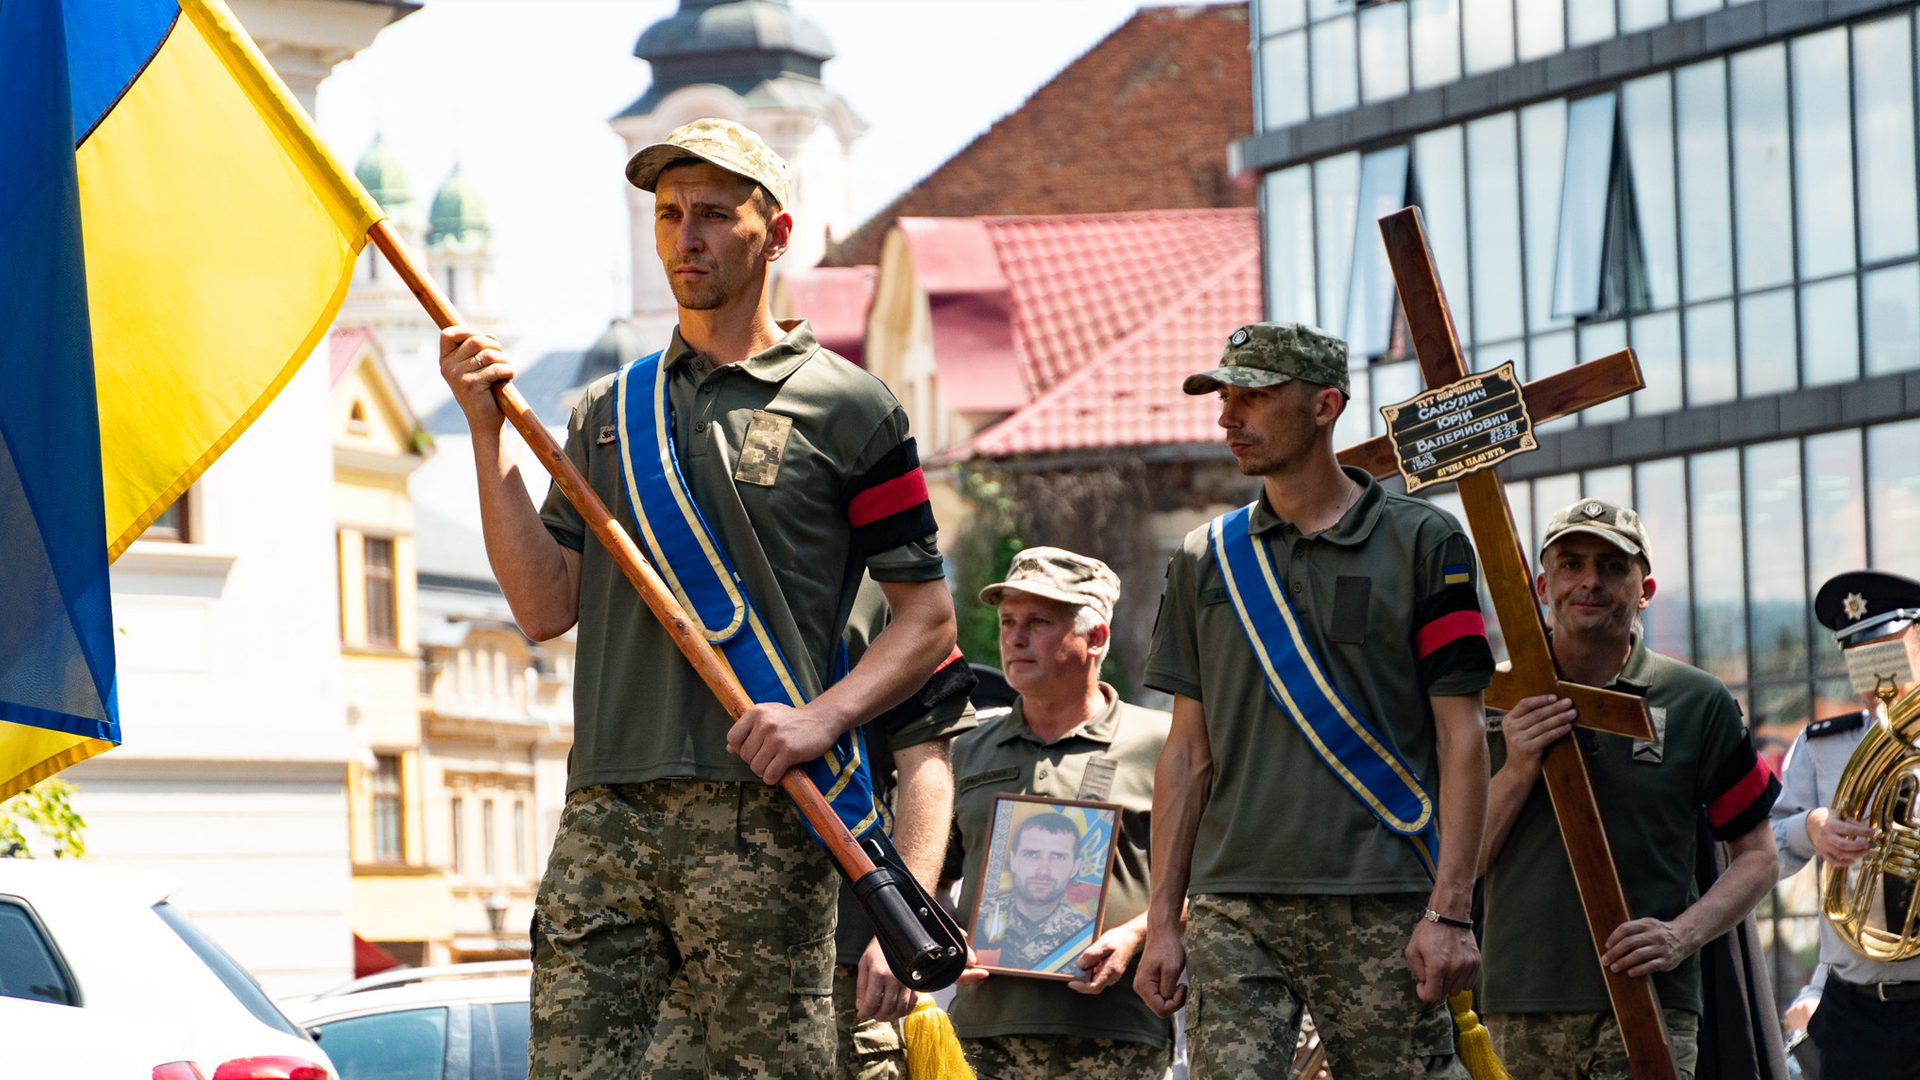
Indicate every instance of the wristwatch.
{"type": "Point", "coordinates": [1458, 924]}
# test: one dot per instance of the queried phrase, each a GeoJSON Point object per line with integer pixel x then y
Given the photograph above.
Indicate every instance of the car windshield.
{"type": "Point", "coordinates": [229, 972]}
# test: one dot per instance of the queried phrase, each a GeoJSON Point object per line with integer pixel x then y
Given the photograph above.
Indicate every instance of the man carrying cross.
{"type": "Point", "coordinates": [1322, 790]}
{"type": "Point", "coordinates": [1543, 993]}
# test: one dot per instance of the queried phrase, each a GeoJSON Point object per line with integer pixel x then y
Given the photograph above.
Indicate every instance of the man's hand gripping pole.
{"type": "Point", "coordinates": [923, 945]}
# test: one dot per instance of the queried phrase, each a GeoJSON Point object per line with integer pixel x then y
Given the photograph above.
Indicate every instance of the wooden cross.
{"type": "Point", "coordinates": [1504, 564]}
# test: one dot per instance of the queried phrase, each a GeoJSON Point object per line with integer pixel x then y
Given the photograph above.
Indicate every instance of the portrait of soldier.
{"type": "Point", "coordinates": [1023, 927]}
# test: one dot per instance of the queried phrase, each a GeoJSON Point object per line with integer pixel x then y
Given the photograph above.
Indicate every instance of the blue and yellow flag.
{"type": "Point", "coordinates": [174, 241]}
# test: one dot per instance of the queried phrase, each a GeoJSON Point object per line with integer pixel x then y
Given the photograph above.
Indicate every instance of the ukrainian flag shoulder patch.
{"type": "Point", "coordinates": [1457, 574]}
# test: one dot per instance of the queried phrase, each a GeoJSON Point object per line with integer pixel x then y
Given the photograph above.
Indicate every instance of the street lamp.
{"type": "Point", "coordinates": [497, 913]}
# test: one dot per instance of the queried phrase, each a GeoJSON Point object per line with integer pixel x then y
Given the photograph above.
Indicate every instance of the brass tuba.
{"type": "Point", "coordinates": [1874, 904]}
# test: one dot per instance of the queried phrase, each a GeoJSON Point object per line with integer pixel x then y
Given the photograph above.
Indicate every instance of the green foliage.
{"type": "Point", "coordinates": [980, 556]}
{"type": "Point", "coordinates": [43, 812]}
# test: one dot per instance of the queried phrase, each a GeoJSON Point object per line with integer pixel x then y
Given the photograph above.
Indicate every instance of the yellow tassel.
{"type": "Point", "coordinates": [933, 1049]}
{"type": "Point", "coordinates": [1474, 1044]}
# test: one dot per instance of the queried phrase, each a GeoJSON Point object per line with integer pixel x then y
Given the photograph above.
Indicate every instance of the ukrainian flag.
{"type": "Point", "coordinates": [174, 241]}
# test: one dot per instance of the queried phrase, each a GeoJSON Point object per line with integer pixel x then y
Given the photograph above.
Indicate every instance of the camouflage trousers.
{"type": "Point", "coordinates": [713, 888]}
{"type": "Point", "coordinates": [1582, 1045]}
{"type": "Point", "coordinates": [1255, 961]}
{"type": "Point", "coordinates": [863, 1049]}
{"type": "Point", "coordinates": [1065, 1057]}
{"type": "Point", "coordinates": [869, 1049]}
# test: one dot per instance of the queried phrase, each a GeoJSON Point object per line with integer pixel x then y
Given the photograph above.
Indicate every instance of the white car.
{"type": "Point", "coordinates": [458, 1022]}
{"type": "Point", "coordinates": [102, 979]}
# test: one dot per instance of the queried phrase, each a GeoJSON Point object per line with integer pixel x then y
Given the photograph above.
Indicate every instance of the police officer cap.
{"type": "Point", "coordinates": [1866, 604]}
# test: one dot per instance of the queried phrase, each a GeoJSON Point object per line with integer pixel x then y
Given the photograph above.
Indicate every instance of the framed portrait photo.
{"type": "Point", "coordinates": [1043, 886]}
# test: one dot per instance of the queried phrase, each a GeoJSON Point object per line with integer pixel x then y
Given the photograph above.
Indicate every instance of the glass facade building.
{"type": "Point", "coordinates": [1728, 188]}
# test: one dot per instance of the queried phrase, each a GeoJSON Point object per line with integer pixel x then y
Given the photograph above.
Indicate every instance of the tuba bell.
{"type": "Point", "coordinates": [1874, 905]}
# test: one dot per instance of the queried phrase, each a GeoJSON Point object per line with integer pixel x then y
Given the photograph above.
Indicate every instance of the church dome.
{"type": "Point", "coordinates": [458, 214]}
{"type": "Point", "coordinates": [739, 44]}
{"type": "Point", "coordinates": [380, 172]}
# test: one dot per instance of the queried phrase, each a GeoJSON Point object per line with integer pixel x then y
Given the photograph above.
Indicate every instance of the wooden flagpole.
{"type": "Point", "coordinates": [626, 554]}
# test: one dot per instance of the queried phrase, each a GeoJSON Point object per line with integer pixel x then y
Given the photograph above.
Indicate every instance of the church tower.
{"type": "Point", "coordinates": [756, 62]}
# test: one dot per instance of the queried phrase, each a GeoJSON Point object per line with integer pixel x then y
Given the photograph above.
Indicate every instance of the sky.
{"type": "Point", "coordinates": [519, 92]}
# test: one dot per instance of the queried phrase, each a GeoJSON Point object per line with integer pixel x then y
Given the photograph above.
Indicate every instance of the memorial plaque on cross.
{"type": "Point", "coordinates": [1497, 415]}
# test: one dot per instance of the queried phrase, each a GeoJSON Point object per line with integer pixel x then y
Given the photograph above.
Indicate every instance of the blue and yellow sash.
{"type": "Point", "coordinates": [1345, 741]}
{"type": "Point", "coordinates": [689, 557]}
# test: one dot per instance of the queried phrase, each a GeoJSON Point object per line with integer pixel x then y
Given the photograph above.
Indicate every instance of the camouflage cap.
{"type": "Point", "coordinates": [1268, 354]}
{"type": "Point", "coordinates": [1618, 525]}
{"type": "Point", "coordinates": [1062, 575]}
{"type": "Point", "coordinates": [733, 147]}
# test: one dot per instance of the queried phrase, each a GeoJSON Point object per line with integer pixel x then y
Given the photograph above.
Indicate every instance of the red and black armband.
{"type": "Point", "coordinates": [1450, 635]}
{"type": "Point", "coordinates": [887, 505]}
{"type": "Point", "coordinates": [1745, 793]}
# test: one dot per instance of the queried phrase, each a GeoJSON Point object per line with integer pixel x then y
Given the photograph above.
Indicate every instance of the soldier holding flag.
{"type": "Point", "coordinates": [763, 474]}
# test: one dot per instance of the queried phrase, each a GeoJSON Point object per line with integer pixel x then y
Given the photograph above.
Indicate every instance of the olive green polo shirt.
{"type": "Point", "coordinates": [1538, 954]}
{"type": "Point", "coordinates": [1110, 758]}
{"type": "Point", "coordinates": [1277, 819]}
{"type": "Point", "coordinates": [640, 711]}
{"type": "Point", "coordinates": [943, 721]}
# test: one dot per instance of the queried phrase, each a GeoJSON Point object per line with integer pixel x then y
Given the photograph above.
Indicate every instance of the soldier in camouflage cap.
{"type": "Point", "coordinates": [1268, 354]}
{"type": "Point", "coordinates": [733, 147]}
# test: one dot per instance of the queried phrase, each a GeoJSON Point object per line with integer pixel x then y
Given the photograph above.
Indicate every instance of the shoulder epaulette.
{"type": "Point", "coordinates": [1834, 725]}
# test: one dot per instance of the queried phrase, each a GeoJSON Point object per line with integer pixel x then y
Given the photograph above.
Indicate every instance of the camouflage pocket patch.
{"type": "Point", "coordinates": [761, 451]}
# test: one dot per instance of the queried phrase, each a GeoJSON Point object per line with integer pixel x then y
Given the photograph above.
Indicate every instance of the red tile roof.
{"type": "Point", "coordinates": [1141, 121]}
{"type": "Point", "coordinates": [1127, 395]}
{"type": "Point", "coordinates": [834, 300]}
{"type": "Point", "coordinates": [342, 347]}
{"type": "Point", "coordinates": [1019, 303]}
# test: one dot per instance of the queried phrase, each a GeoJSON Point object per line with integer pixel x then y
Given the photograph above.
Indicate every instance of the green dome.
{"type": "Point", "coordinates": [458, 214]}
{"type": "Point", "coordinates": [380, 173]}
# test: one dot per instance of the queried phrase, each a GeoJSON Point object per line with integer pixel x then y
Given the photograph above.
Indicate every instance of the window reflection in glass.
{"type": "Point", "coordinates": [1711, 376]}
{"type": "Point", "coordinates": [1892, 315]}
{"type": "Point", "coordinates": [1822, 153]}
{"type": "Point", "coordinates": [1541, 29]}
{"type": "Point", "coordinates": [1278, 15]}
{"type": "Point", "coordinates": [1323, 9]}
{"type": "Point", "coordinates": [1882, 84]}
{"type": "Point", "coordinates": [1336, 74]}
{"type": "Point", "coordinates": [1829, 323]}
{"type": "Point", "coordinates": [1383, 52]}
{"type": "Point", "coordinates": [1548, 355]}
{"type": "Point", "coordinates": [1640, 14]}
{"type": "Point", "coordinates": [1543, 148]}
{"type": "Point", "coordinates": [1493, 191]}
{"type": "Point", "coordinates": [1613, 484]}
{"type": "Point", "coordinates": [1578, 258]}
{"type": "Point", "coordinates": [1646, 119]}
{"type": "Point", "coordinates": [1836, 526]}
{"type": "Point", "coordinates": [1359, 421]}
{"type": "Point", "coordinates": [406, 1045]}
{"type": "Point", "coordinates": [1769, 344]}
{"type": "Point", "coordinates": [1283, 80]}
{"type": "Point", "coordinates": [1588, 22]}
{"type": "Point", "coordinates": [1893, 490]}
{"type": "Point", "coordinates": [1685, 8]}
{"type": "Point", "coordinates": [1551, 495]}
{"type": "Point", "coordinates": [1660, 496]}
{"type": "Point", "coordinates": [1394, 383]}
{"type": "Point", "coordinates": [1487, 28]}
{"type": "Point", "coordinates": [1706, 230]}
{"type": "Point", "coordinates": [1719, 590]}
{"type": "Point", "coordinates": [1656, 344]}
{"type": "Point", "coordinates": [1777, 616]}
{"type": "Point", "coordinates": [1761, 197]}
{"type": "Point", "coordinates": [1370, 296]}
{"type": "Point", "coordinates": [1439, 172]}
{"type": "Point", "coordinates": [1288, 219]}
{"type": "Point", "coordinates": [1598, 340]}
{"type": "Point", "coordinates": [1435, 29]}
{"type": "Point", "coordinates": [1336, 187]}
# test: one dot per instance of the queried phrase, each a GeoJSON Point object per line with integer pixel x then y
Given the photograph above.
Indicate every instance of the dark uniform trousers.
{"type": "Point", "coordinates": [1861, 1036]}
